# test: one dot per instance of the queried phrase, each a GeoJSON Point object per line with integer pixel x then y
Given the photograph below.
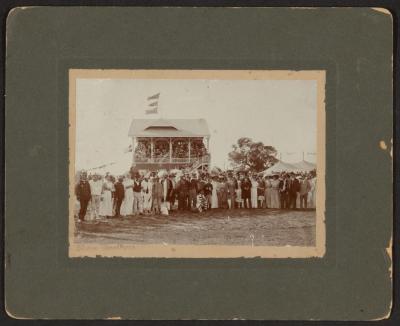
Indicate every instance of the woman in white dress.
{"type": "Point", "coordinates": [146, 193]}
{"type": "Point", "coordinates": [275, 203]}
{"type": "Point", "coordinates": [312, 194]}
{"type": "Point", "coordinates": [254, 194]}
{"type": "Point", "coordinates": [267, 190]}
{"type": "Point", "coordinates": [127, 203]}
{"type": "Point", "coordinates": [214, 194]}
{"type": "Point", "coordinates": [239, 199]}
{"type": "Point", "coordinates": [106, 207]}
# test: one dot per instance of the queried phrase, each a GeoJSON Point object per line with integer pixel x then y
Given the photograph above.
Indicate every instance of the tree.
{"type": "Point", "coordinates": [253, 156]}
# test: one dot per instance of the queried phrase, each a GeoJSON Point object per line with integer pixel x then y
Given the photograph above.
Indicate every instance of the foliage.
{"type": "Point", "coordinates": [252, 156]}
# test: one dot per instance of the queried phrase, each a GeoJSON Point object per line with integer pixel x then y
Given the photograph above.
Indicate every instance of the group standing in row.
{"type": "Point", "coordinates": [133, 194]}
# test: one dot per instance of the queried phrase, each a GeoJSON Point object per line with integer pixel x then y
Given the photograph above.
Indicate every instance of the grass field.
{"type": "Point", "coordinates": [263, 227]}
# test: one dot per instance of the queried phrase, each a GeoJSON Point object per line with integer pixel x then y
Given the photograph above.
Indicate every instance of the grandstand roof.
{"type": "Point", "coordinates": [168, 128]}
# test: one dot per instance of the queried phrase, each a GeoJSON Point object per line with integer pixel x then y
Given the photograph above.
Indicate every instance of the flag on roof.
{"type": "Point", "coordinates": [153, 104]}
{"type": "Point", "coordinates": [154, 97]}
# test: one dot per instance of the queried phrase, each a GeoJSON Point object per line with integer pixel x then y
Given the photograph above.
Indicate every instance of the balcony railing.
{"type": "Point", "coordinates": [179, 160]}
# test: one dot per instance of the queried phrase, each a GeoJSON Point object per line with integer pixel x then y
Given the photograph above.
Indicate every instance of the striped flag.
{"type": "Point", "coordinates": [153, 97]}
{"type": "Point", "coordinates": [153, 104]}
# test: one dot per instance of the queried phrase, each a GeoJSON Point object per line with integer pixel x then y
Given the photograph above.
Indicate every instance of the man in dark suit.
{"type": "Point", "coordinates": [246, 192]}
{"type": "Point", "coordinates": [193, 189]}
{"type": "Point", "coordinates": [83, 194]}
{"type": "Point", "coordinates": [183, 193]}
{"type": "Point", "coordinates": [119, 196]}
{"type": "Point", "coordinates": [283, 191]}
{"type": "Point", "coordinates": [208, 188]}
{"type": "Point", "coordinates": [293, 189]}
{"type": "Point", "coordinates": [202, 182]}
{"type": "Point", "coordinates": [137, 195]}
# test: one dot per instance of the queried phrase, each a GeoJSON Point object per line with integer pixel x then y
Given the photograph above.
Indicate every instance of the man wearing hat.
{"type": "Point", "coordinates": [137, 195]}
{"type": "Point", "coordinates": [83, 194]}
{"type": "Point", "coordinates": [96, 187]}
{"type": "Point", "coordinates": [293, 187]}
{"type": "Point", "coordinates": [119, 195]}
{"type": "Point", "coordinates": [193, 189]}
{"type": "Point", "coordinates": [283, 190]}
{"type": "Point", "coordinates": [183, 192]}
{"type": "Point", "coordinates": [157, 193]}
{"type": "Point", "coordinates": [246, 192]}
{"type": "Point", "coordinates": [208, 188]}
{"type": "Point", "coordinates": [305, 187]}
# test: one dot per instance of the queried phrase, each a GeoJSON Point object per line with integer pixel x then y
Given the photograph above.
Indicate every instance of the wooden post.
{"type": "Point", "coordinates": [151, 149]}
{"type": "Point", "coordinates": [133, 149]}
{"type": "Point", "coordinates": [189, 150]}
{"type": "Point", "coordinates": [170, 150]}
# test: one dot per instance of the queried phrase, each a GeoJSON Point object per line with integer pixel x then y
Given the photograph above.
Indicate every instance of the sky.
{"type": "Point", "coordinates": [280, 113]}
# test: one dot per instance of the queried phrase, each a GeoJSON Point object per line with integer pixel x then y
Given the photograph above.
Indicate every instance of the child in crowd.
{"type": "Point", "coordinates": [201, 203]}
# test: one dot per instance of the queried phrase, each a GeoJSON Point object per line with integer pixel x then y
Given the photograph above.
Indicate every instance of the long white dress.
{"type": "Point", "coordinates": [106, 207]}
{"type": "Point", "coordinates": [214, 195]}
{"type": "Point", "coordinates": [312, 195]}
{"type": "Point", "coordinates": [254, 196]}
{"type": "Point", "coordinates": [146, 191]}
{"type": "Point", "coordinates": [267, 192]}
{"type": "Point", "coordinates": [127, 203]}
{"type": "Point", "coordinates": [238, 191]}
{"type": "Point", "coordinates": [275, 203]}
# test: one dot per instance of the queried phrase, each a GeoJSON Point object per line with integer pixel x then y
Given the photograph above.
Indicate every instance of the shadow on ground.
{"type": "Point", "coordinates": [263, 227]}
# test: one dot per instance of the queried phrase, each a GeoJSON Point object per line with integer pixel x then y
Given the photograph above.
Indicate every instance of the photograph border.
{"type": "Point", "coordinates": [201, 251]}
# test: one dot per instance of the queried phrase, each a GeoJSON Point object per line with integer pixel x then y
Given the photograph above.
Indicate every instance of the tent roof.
{"type": "Point", "coordinates": [168, 128]}
{"type": "Point", "coordinates": [305, 165]}
{"type": "Point", "coordinates": [280, 167]}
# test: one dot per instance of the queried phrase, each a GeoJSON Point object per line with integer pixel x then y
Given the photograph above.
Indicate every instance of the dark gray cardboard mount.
{"type": "Point", "coordinates": [352, 281]}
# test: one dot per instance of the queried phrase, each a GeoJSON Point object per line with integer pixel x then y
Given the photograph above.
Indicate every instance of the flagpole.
{"type": "Point", "coordinates": [160, 110]}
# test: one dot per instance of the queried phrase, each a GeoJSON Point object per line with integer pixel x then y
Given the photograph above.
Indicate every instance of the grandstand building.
{"type": "Point", "coordinates": [170, 144]}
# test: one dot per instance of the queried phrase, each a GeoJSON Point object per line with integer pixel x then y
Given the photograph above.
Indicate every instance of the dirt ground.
{"type": "Point", "coordinates": [263, 227]}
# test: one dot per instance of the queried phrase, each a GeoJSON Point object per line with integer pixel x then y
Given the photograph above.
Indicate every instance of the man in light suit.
{"type": "Point", "coordinates": [157, 193]}
{"type": "Point", "coordinates": [305, 188]}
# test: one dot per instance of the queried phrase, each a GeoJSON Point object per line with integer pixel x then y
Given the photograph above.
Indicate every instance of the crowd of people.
{"type": "Point", "coordinates": [143, 150]}
{"type": "Point", "coordinates": [180, 149]}
{"type": "Point", "coordinates": [163, 193]}
{"type": "Point", "coordinates": [161, 150]}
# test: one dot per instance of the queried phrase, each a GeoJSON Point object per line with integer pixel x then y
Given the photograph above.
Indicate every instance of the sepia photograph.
{"type": "Point", "coordinates": [196, 163]}
{"type": "Point", "coordinates": [199, 163]}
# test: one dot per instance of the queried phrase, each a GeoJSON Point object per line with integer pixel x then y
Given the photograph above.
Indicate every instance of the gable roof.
{"type": "Point", "coordinates": [279, 167]}
{"type": "Point", "coordinates": [305, 166]}
{"type": "Point", "coordinates": [168, 128]}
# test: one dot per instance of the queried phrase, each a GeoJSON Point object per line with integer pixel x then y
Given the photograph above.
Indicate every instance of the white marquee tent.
{"type": "Point", "coordinates": [305, 166]}
{"type": "Point", "coordinates": [279, 167]}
